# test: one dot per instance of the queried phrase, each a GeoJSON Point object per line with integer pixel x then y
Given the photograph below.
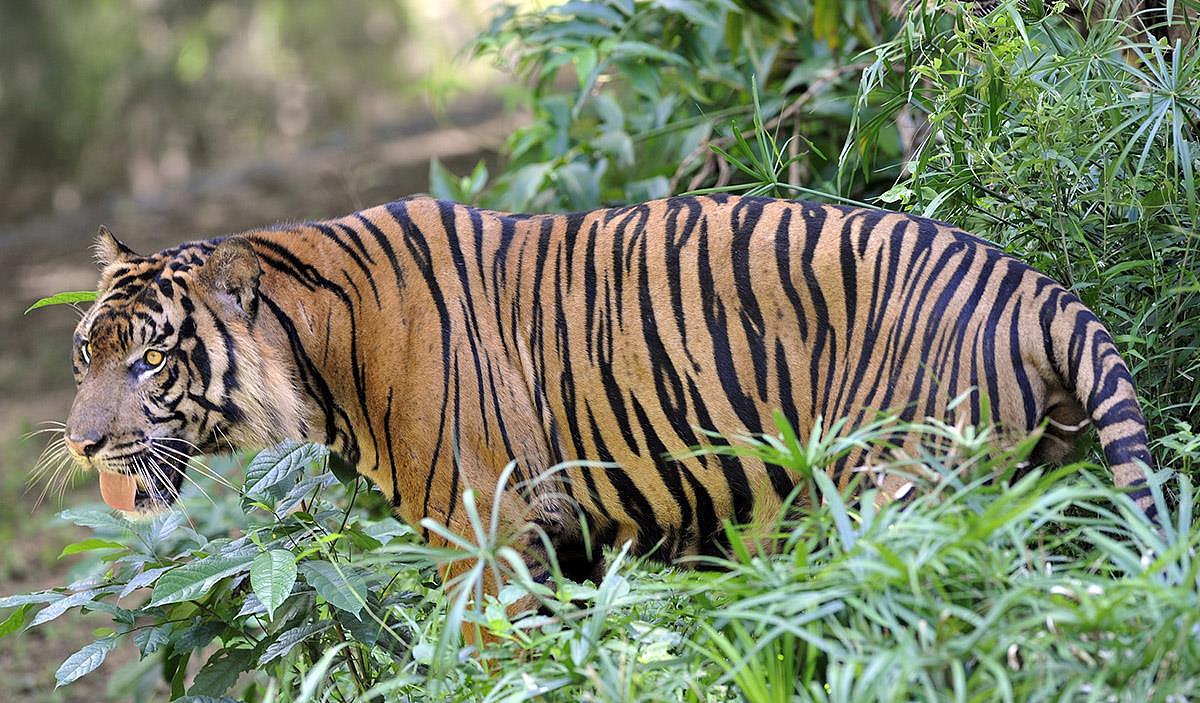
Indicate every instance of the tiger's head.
{"type": "Point", "coordinates": [169, 364]}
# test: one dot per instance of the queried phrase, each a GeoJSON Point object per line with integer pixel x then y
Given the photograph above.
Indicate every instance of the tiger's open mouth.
{"type": "Point", "coordinates": [141, 484]}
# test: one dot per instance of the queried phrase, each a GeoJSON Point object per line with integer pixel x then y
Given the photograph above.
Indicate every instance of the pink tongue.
{"type": "Point", "coordinates": [117, 490]}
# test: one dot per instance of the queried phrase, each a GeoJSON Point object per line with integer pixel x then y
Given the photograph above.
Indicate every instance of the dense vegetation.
{"type": "Point", "coordinates": [1070, 141]}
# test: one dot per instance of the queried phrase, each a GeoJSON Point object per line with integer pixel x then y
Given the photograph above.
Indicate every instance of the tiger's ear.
{"type": "Point", "coordinates": [231, 274]}
{"type": "Point", "coordinates": [110, 250]}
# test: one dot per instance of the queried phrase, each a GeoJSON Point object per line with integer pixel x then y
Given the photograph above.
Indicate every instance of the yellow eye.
{"type": "Point", "coordinates": [152, 357]}
{"type": "Point", "coordinates": [85, 350]}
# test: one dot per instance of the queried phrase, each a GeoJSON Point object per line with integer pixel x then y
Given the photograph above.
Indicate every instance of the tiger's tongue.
{"type": "Point", "coordinates": [117, 490]}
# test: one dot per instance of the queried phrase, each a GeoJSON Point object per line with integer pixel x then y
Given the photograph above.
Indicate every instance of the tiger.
{"type": "Point", "coordinates": [438, 347]}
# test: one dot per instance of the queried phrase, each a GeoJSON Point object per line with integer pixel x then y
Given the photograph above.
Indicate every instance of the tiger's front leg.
{"type": "Point", "coordinates": [540, 523]}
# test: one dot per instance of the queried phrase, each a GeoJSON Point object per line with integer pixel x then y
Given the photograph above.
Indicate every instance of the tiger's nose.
{"type": "Point", "coordinates": [86, 444]}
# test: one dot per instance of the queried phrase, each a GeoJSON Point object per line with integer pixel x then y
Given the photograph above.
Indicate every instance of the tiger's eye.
{"type": "Point", "coordinates": [152, 357]}
{"type": "Point", "coordinates": [85, 350]}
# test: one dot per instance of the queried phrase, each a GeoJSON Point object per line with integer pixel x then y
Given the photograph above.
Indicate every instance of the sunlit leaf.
{"type": "Point", "coordinates": [89, 545]}
{"type": "Point", "coordinates": [15, 620]}
{"type": "Point", "coordinates": [194, 579]}
{"type": "Point", "coordinates": [62, 605]}
{"type": "Point", "coordinates": [66, 298]}
{"type": "Point", "coordinates": [84, 661]}
{"type": "Point", "coordinates": [272, 470]}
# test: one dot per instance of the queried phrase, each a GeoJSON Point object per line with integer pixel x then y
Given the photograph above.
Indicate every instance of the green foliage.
{"type": "Point", "coordinates": [272, 599]}
{"type": "Point", "coordinates": [103, 94]}
{"type": "Point", "coordinates": [1028, 587]}
{"type": "Point", "coordinates": [1077, 152]}
{"type": "Point", "coordinates": [272, 576]}
{"type": "Point", "coordinates": [653, 85]}
{"type": "Point", "coordinates": [84, 661]}
{"type": "Point", "coordinates": [1071, 144]}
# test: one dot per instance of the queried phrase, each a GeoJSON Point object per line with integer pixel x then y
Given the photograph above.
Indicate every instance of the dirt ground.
{"type": "Point", "coordinates": [49, 254]}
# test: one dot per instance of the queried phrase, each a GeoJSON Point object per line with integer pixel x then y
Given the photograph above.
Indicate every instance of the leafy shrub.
{"type": "Point", "coordinates": [654, 84]}
{"type": "Point", "coordinates": [1076, 152]}
{"type": "Point", "coordinates": [288, 587]}
{"type": "Point", "coordinates": [281, 560]}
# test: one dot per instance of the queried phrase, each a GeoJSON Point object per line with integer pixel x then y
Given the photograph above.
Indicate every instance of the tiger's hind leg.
{"type": "Point", "coordinates": [577, 553]}
{"type": "Point", "coordinates": [1065, 421]}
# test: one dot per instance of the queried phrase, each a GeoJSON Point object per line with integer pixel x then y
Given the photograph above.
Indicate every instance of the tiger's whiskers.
{"type": "Point", "coordinates": [162, 454]}
{"type": "Point", "coordinates": [190, 460]}
{"type": "Point", "coordinates": [56, 466]}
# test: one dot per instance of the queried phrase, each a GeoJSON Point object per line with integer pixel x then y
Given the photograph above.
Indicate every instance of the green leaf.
{"type": "Point", "coordinates": [589, 10]}
{"type": "Point", "coordinates": [84, 661]}
{"type": "Point", "coordinates": [272, 576]}
{"type": "Point", "coordinates": [88, 545]}
{"type": "Point", "coordinates": [343, 470]}
{"type": "Point", "coordinates": [289, 639]}
{"type": "Point", "coordinates": [343, 589]}
{"type": "Point", "coordinates": [116, 612]}
{"type": "Point", "coordinates": [65, 298]}
{"type": "Point", "coordinates": [442, 183]}
{"type": "Point", "coordinates": [95, 518]}
{"type": "Point", "coordinates": [195, 579]}
{"type": "Point", "coordinates": [62, 605]}
{"type": "Point", "coordinates": [15, 620]}
{"type": "Point", "coordinates": [361, 539]}
{"type": "Point", "coordinates": [221, 672]}
{"type": "Point", "coordinates": [647, 189]}
{"type": "Point", "coordinates": [523, 185]}
{"type": "Point", "coordinates": [477, 180]}
{"type": "Point", "coordinates": [150, 639]}
{"type": "Point", "coordinates": [279, 464]}
{"type": "Point", "coordinates": [162, 528]}
{"type": "Point", "coordinates": [25, 598]}
{"type": "Point", "coordinates": [637, 49]}
{"type": "Point", "coordinates": [143, 579]}
{"type": "Point", "coordinates": [303, 490]}
{"type": "Point", "coordinates": [364, 630]}
{"type": "Point", "coordinates": [618, 144]}
{"type": "Point", "coordinates": [826, 20]}
{"type": "Point", "coordinates": [251, 605]}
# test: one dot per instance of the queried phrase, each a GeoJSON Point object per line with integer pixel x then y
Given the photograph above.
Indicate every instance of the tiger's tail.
{"type": "Point", "coordinates": [1087, 363]}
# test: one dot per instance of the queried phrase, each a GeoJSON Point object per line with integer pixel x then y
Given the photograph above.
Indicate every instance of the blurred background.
{"type": "Point", "coordinates": [166, 121]}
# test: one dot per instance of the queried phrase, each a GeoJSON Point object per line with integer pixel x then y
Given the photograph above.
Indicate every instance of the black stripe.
{"type": "Point", "coordinates": [418, 249]}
